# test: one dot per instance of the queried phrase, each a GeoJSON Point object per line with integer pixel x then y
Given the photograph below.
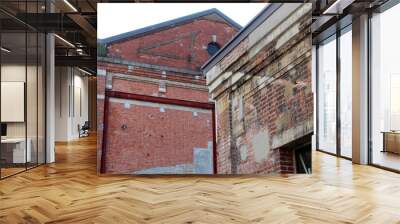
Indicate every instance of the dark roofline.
{"type": "Point", "coordinates": [167, 24]}
{"type": "Point", "coordinates": [252, 25]}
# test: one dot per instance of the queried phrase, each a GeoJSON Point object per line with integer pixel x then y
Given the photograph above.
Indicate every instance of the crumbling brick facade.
{"type": "Point", "coordinates": [262, 89]}
{"type": "Point", "coordinates": [149, 137]}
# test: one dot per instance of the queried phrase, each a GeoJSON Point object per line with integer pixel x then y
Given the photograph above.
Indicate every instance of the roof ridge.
{"type": "Point", "coordinates": [172, 22]}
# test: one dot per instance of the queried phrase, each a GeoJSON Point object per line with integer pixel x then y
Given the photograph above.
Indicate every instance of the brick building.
{"type": "Point", "coordinates": [153, 103]}
{"type": "Point", "coordinates": [261, 82]}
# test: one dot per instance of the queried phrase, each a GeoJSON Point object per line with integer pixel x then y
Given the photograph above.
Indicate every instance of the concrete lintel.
{"type": "Point", "coordinates": [157, 81]}
{"type": "Point", "coordinates": [293, 133]}
{"type": "Point", "coordinates": [158, 105]}
{"type": "Point", "coordinates": [150, 66]}
{"type": "Point", "coordinates": [101, 72]}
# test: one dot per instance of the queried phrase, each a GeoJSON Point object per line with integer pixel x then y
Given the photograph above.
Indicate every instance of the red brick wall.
{"type": "Point", "coordinates": [180, 47]}
{"type": "Point", "coordinates": [286, 160]}
{"type": "Point", "coordinates": [153, 138]}
{"type": "Point", "coordinates": [129, 150]}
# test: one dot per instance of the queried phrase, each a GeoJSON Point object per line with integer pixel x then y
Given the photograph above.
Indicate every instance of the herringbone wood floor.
{"type": "Point", "coordinates": [69, 191]}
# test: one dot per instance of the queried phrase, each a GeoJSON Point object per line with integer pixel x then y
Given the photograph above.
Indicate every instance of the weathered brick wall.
{"type": "Point", "coordinates": [272, 104]}
{"type": "Point", "coordinates": [182, 46]}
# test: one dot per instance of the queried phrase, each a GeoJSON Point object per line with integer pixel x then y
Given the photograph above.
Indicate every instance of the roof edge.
{"type": "Point", "coordinates": [166, 24]}
{"type": "Point", "coordinates": [228, 47]}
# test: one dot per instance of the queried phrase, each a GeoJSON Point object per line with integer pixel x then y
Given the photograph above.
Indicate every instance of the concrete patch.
{"type": "Point", "coordinates": [243, 152]}
{"type": "Point", "coordinates": [202, 160]}
{"type": "Point", "coordinates": [101, 72]}
{"type": "Point", "coordinates": [261, 147]}
{"type": "Point", "coordinates": [202, 164]}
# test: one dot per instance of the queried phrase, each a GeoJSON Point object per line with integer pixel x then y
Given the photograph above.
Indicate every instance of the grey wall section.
{"type": "Point", "coordinates": [314, 90]}
{"type": "Point", "coordinates": [50, 99]}
{"type": "Point", "coordinates": [62, 81]}
{"type": "Point", "coordinates": [92, 101]}
{"type": "Point", "coordinates": [71, 102]}
{"type": "Point", "coordinates": [178, 169]}
{"type": "Point", "coordinates": [203, 160]}
{"type": "Point", "coordinates": [202, 164]}
{"type": "Point", "coordinates": [360, 90]}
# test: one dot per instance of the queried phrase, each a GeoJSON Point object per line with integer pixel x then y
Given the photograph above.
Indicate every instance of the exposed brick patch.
{"type": "Point", "coordinates": [286, 160]}
{"type": "Point", "coordinates": [223, 135]}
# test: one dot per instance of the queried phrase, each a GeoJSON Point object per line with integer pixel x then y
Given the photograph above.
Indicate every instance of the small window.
{"type": "Point", "coordinates": [162, 88]}
{"type": "Point", "coordinates": [212, 48]}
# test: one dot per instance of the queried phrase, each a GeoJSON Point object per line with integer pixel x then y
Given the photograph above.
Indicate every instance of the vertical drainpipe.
{"type": "Point", "coordinates": [105, 127]}
{"type": "Point", "coordinates": [108, 87]}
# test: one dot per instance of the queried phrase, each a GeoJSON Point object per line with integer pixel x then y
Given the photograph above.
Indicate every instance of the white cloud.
{"type": "Point", "coordinates": [117, 18]}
